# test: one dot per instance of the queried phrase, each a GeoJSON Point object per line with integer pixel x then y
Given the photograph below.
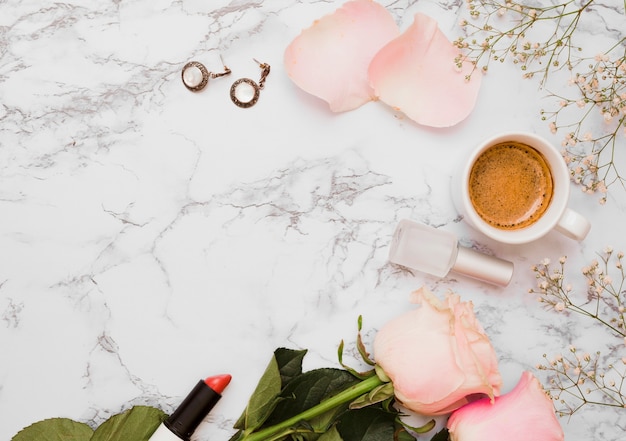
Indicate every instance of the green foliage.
{"type": "Point", "coordinates": [367, 424]}
{"type": "Point", "coordinates": [365, 356]}
{"type": "Point", "coordinates": [309, 389]}
{"type": "Point", "coordinates": [137, 424]}
{"type": "Point", "coordinates": [379, 394]}
{"type": "Point", "coordinates": [55, 429]}
{"type": "Point", "coordinates": [289, 363]}
{"type": "Point", "coordinates": [319, 405]}
{"type": "Point", "coordinates": [285, 365]}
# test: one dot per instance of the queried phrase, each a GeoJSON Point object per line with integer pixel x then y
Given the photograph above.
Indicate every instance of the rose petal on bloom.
{"type": "Point", "coordinates": [524, 413]}
{"type": "Point", "coordinates": [330, 59]}
{"type": "Point", "coordinates": [416, 74]}
{"type": "Point", "coordinates": [437, 355]}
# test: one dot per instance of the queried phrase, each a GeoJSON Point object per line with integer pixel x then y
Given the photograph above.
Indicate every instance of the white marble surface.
{"type": "Point", "coordinates": [150, 236]}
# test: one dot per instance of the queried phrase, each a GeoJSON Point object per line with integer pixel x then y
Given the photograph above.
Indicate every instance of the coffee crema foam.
{"type": "Point", "coordinates": [510, 185]}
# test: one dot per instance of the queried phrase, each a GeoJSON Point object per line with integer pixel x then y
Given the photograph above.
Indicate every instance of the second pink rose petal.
{"type": "Point", "coordinates": [416, 74]}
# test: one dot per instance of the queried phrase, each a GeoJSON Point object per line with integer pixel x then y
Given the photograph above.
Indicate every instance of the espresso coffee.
{"type": "Point", "coordinates": [510, 185]}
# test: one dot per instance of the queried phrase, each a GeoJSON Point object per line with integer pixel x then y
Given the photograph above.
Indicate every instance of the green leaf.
{"type": "Point", "coordinates": [137, 424]}
{"type": "Point", "coordinates": [263, 399]}
{"type": "Point", "coordinates": [403, 435]}
{"type": "Point", "coordinates": [331, 434]}
{"type": "Point", "coordinates": [368, 424]}
{"type": "Point", "coordinates": [308, 390]}
{"type": "Point", "coordinates": [340, 352]}
{"type": "Point", "coordinates": [377, 395]}
{"type": "Point", "coordinates": [289, 363]}
{"type": "Point", "coordinates": [293, 425]}
{"type": "Point", "coordinates": [359, 375]}
{"type": "Point", "coordinates": [430, 425]}
{"type": "Point", "coordinates": [362, 351]}
{"type": "Point", "coordinates": [361, 346]}
{"type": "Point", "coordinates": [55, 429]}
{"type": "Point", "coordinates": [282, 368]}
{"type": "Point", "coordinates": [381, 374]}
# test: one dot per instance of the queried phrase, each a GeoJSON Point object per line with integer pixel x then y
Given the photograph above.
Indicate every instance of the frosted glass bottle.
{"type": "Point", "coordinates": [437, 252]}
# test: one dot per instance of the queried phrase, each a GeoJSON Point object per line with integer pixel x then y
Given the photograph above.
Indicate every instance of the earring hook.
{"type": "Point", "coordinates": [264, 72]}
{"type": "Point", "coordinates": [227, 71]}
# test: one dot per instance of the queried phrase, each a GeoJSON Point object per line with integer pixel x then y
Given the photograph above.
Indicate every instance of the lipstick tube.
{"type": "Point", "coordinates": [194, 408]}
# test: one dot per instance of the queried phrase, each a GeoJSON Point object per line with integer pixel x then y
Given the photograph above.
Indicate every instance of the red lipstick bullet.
{"type": "Point", "coordinates": [184, 421]}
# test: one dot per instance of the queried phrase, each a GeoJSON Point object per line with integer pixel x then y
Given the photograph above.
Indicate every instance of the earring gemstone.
{"type": "Point", "coordinates": [195, 76]}
{"type": "Point", "coordinates": [192, 76]}
{"type": "Point", "coordinates": [244, 92]}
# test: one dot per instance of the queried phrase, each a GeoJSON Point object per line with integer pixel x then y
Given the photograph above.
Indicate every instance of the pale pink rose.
{"type": "Point", "coordinates": [416, 74]}
{"type": "Point", "coordinates": [524, 413]}
{"type": "Point", "coordinates": [437, 356]}
{"type": "Point", "coordinates": [330, 59]}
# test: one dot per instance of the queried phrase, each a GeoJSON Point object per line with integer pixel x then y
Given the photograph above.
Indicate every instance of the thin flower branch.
{"type": "Point", "coordinates": [542, 39]}
{"type": "Point", "coordinates": [578, 378]}
{"type": "Point", "coordinates": [605, 299]}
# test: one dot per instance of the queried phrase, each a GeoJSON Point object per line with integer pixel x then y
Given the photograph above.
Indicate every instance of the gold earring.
{"type": "Point", "coordinates": [244, 92]}
{"type": "Point", "coordinates": [196, 76]}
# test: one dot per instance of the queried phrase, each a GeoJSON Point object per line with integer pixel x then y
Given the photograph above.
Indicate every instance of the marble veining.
{"type": "Point", "coordinates": [151, 236]}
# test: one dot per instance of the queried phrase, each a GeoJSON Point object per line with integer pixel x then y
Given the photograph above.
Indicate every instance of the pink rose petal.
{"type": "Point", "coordinates": [416, 74]}
{"type": "Point", "coordinates": [330, 59]}
{"type": "Point", "coordinates": [524, 413]}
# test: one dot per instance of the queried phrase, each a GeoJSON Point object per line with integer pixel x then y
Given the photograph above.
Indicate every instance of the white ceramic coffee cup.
{"type": "Point", "coordinates": [557, 216]}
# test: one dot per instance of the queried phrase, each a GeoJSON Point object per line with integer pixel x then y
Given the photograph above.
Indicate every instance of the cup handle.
{"type": "Point", "coordinates": [573, 225]}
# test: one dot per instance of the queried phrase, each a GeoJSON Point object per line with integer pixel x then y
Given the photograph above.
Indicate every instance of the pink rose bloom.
{"type": "Point", "coordinates": [524, 413]}
{"type": "Point", "coordinates": [437, 355]}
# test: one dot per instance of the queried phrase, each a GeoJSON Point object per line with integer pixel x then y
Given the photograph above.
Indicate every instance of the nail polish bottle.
{"type": "Point", "coordinates": [437, 252]}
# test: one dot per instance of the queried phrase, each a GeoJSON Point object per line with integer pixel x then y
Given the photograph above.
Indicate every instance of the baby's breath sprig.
{"type": "Point", "coordinates": [600, 93]}
{"type": "Point", "coordinates": [577, 379]}
{"type": "Point", "coordinates": [499, 30]}
{"type": "Point", "coordinates": [580, 379]}
{"type": "Point", "coordinates": [540, 38]}
{"type": "Point", "coordinates": [604, 299]}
